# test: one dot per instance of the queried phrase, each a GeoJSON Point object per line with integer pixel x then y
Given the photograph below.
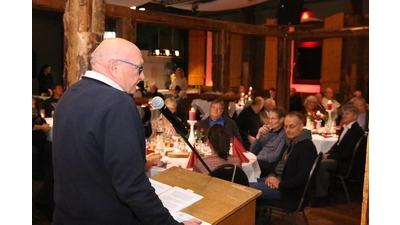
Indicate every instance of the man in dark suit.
{"type": "Point", "coordinates": [249, 121]}
{"type": "Point", "coordinates": [338, 158]}
{"type": "Point", "coordinates": [287, 181]}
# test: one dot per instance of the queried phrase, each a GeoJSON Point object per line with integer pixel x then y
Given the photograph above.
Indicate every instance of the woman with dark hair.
{"type": "Point", "coordinates": [45, 79]}
{"type": "Point", "coordinates": [219, 141]}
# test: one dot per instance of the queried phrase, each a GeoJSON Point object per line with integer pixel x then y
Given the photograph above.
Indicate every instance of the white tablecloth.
{"type": "Point", "coordinates": [252, 169]}
{"type": "Point", "coordinates": [324, 144]}
{"type": "Point", "coordinates": [49, 134]}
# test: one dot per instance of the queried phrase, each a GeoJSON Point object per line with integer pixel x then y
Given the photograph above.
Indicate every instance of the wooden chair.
{"type": "Point", "coordinates": [274, 209]}
{"type": "Point", "coordinates": [356, 167]}
{"type": "Point", "coordinates": [232, 173]}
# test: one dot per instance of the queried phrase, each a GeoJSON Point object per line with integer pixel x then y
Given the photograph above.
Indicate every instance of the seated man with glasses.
{"type": "Point", "coordinates": [269, 141]}
{"type": "Point", "coordinates": [287, 181]}
{"type": "Point", "coordinates": [217, 117]}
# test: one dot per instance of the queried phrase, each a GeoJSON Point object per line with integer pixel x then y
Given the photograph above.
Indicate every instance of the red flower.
{"type": "Point", "coordinates": [202, 129]}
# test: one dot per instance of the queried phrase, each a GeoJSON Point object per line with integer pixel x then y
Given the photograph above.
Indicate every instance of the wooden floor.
{"type": "Point", "coordinates": [338, 212]}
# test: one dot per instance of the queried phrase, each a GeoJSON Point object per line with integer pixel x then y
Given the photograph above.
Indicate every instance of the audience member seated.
{"type": "Point", "coordinates": [287, 182]}
{"type": "Point", "coordinates": [153, 91]}
{"type": "Point", "coordinates": [295, 100]}
{"type": "Point", "coordinates": [269, 142]}
{"type": "Point", "coordinates": [41, 146]}
{"type": "Point", "coordinates": [272, 93]}
{"type": "Point", "coordinates": [219, 141]}
{"type": "Point", "coordinates": [319, 106]}
{"type": "Point", "coordinates": [309, 108]}
{"type": "Point", "coordinates": [181, 81]}
{"type": "Point", "coordinates": [269, 103]}
{"type": "Point", "coordinates": [180, 106]}
{"type": "Point", "coordinates": [161, 123]}
{"type": "Point", "coordinates": [363, 112]}
{"type": "Point", "coordinates": [338, 158]}
{"type": "Point", "coordinates": [249, 121]}
{"type": "Point", "coordinates": [216, 117]}
{"type": "Point", "coordinates": [49, 104]}
{"type": "Point", "coordinates": [335, 104]}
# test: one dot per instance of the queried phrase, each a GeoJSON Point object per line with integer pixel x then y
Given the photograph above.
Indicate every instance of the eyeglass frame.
{"type": "Point", "coordinates": [291, 126]}
{"type": "Point", "coordinates": [140, 68]}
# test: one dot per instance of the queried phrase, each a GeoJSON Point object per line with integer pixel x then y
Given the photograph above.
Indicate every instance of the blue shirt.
{"type": "Point", "coordinates": [271, 144]}
{"type": "Point", "coordinates": [218, 121]}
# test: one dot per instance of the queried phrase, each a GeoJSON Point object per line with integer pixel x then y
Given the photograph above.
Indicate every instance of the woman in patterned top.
{"type": "Point", "coordinates": [219, 142]}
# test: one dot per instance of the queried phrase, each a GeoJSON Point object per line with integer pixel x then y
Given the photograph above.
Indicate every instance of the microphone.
{"type": "Point", "coordinates": [158, 103]}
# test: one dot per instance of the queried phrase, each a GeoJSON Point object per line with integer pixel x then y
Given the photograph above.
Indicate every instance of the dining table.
{"type": "Point", "coordinates": [324, 142]}
{"type": "Point", "coordinates": [252, 169]}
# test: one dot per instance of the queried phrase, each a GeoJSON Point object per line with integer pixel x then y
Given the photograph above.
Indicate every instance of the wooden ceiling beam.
{"type": "Point", "coordinates": [196, 23]}
{"type": "Point", "coordinates": [175, 20]}
{"type": "Point", "coordinates": [329, 33]}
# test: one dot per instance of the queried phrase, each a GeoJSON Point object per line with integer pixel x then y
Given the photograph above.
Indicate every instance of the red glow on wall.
{"type": "Point", "coordinates": [309, 44]}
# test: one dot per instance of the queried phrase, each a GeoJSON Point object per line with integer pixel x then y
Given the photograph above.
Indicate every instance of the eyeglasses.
{"type": "Point", "coordinates": [216, 108]}
{"type": "Point", "coordinates": [291, 126]}
{"type": "Point", "coordinates": [132, 64]}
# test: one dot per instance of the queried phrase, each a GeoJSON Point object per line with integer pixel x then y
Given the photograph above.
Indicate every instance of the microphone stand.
{"type": "Point", "coordinates": [194, 151]}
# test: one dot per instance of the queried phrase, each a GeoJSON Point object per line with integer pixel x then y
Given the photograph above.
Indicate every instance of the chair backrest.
{"type": "Point", "coordinates": [311, 180]}
{"type": "Point", "coordinates": [358, 154]}
{"type": "Point", "coordinates": [232, 173]}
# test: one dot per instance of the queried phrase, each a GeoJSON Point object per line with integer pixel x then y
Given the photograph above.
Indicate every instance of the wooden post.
{"type": "Point", "coordinates": [83, 31]}
{"type": "Point", "coordinates": [126, 29]}
{"type": "Point", "coordinates": [365, 201]}
{"type": "Point", "coordinates": [283, 78]}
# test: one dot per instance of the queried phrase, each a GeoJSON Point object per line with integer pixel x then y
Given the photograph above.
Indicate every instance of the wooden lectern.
{"type": "Point", "coordinates": [224, 202]}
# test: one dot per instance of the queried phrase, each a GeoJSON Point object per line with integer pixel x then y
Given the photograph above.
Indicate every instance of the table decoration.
{"type": "Point", "coordinates": [329, 123]}
{"type": "Point", "coordinates": [192, 114]}
{"type": "Point", "coordinates": [191, 139]}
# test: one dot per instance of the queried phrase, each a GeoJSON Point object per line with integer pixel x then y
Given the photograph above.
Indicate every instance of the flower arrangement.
{"type": "Point", "coordinates": [324, 117]}
{"type": "Point", "coordinates": [200, 134]}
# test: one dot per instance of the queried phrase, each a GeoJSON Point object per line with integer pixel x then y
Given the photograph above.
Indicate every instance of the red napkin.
{"type": "Point", "coordinates": [192, 159]}
{"type": "Point", "coordinates": [238, 149]}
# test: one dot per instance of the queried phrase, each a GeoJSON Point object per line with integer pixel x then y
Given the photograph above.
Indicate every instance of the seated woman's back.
{"type": "Point", "coordinates": [219, 142]}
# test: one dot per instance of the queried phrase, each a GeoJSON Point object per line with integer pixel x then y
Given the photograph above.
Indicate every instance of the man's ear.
{"type": "Point", "coordinates": [112, 67]}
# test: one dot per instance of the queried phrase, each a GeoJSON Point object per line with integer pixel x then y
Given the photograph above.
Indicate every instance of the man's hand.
{"type": "Point", "coordinates": [264, 129]}
{"type": "Point", "coordinates": [192, 222]}
{"type": "Point", "coordinates": [272, 182]}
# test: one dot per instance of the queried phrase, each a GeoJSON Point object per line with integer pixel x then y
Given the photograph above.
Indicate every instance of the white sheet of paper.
{"type": "Point", "coordinates": [176, 199]}
{"type": "Point", "coordinates": [181, 216]}
{"type": "Point", "coordinates": [160, 187]}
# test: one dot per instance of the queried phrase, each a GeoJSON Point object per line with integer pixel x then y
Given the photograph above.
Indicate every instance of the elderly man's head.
{"type": "Point", "coordinates": [360, 103]}
{"type": "Point", "coordinates": [269, 103]}
{"type": "Point", "coordinates": [293, 124]}
{"type": "Point", "coordinates": [328, 93]}
{"type": "Point", "coordinates": [257, 104]}
{"type": "Point", "coordinates": [216, 109]}
{"type": "Point", "coordinates": [349, 113]}
{"type": "Point", "coordinates": [153, 88]}
{"type": "Point", "coordinates": [357, 93]}
{"type": "Point", "coordinates": [119, 60]}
